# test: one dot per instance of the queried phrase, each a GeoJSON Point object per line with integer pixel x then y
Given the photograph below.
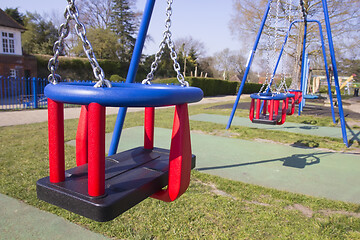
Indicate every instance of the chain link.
{"type": "Point", "coordinates": [166, 41]}
{"type": "Point", "coordinates": [72, 13]}
{"type": "Point", "coordinates": [268, 60]}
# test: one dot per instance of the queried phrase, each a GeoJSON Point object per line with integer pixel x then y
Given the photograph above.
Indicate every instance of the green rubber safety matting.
{"type": "Point", "coordinates": [312, 172]}
{"type": "Point", "coordinates": [21, 221]}
{"type": "Point", "coordinates": [333, 132]}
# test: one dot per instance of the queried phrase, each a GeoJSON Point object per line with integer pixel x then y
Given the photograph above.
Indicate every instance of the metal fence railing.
{"type": "Point", "coordinates": [22, 93]}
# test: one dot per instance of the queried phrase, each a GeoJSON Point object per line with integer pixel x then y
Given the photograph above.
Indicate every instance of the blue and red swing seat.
{"type": "Point", "coordinates": [264, 108]}
{"type": "Point", "coordinates": [101, 188]}
{"type": "Point", "coordinates": [298, 95]}
{"type": "Point", "coordinates": [290, 99]}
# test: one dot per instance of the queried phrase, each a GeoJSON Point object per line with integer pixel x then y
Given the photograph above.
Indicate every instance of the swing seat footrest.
{"type": "Point", "coordinates": [130, 177]}
{"type": "Point", "coordinates": [265, 120]}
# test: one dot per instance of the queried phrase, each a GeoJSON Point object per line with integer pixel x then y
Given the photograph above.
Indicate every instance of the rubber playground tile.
{"type": "Point", "coordinates": [333, 132]}
{"type": "Point", "coordinates": [307, 171]}
{"type": "Point", "coordinates": [21, 221]}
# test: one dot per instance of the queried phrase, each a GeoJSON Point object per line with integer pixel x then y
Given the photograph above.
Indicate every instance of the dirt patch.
{"type": "Point", "coordinates": [307, 212]}
{"type": "Point", "coordinates": [331, 212]}
{"type": "Point", "coordinates": [327, 212]}
{"type": "Point", "coordinates": [217, 191]}
{"type": "Point", "coordinates": [259, 203]}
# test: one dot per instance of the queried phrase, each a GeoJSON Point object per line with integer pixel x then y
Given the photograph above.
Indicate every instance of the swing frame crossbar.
{"type": "Point", "coordinates": [333, 61]}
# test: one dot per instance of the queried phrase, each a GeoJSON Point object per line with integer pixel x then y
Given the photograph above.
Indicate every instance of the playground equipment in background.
{"type": "Point", "coordinates": [268, 101]}
{"type": "Point", "coordinates": [269, 114]}
{"type": "Point", "coordinates": [102, 188]}
{"type": "Point", "coordinates": [333, 61]}
{"type": "Point", "coordinates": [346, 83]}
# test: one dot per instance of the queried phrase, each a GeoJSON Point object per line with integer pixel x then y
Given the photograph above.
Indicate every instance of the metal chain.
{"type": "Point", "coordinates": [72, 13]}
{"type": "Point", "coordinates": [167, 41]}
{"type": "Point", "coordinates": [268, 46]}
{"type": "Point", "coordinates": [283, 85]}
{"type": "Point", "coordinates": [303, 10]}
{"type": "Point", "coordinates": [276, 36]}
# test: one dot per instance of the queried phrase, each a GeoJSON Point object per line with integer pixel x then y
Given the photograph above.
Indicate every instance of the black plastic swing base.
{"type": "Point", "coordinates": [130, 177]}
{"type": "Point", "coordinates": [265, 120]}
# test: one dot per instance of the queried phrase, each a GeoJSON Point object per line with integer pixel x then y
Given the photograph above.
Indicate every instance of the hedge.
{"type": "Point", "coordinates": [80, 68]}
{"type": "Point", "coordinates": [214, 87]}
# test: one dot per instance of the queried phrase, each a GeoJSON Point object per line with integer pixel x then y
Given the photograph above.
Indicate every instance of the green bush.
{"type": "Point", "coordinates": [80, 68]}
{"type": "Point", "coordinates": [251, 88]}
{"type": "Point", "coordinates": [214, 87]}
{"type": "Point", "coordinates": [210, 86]}
{"type": "Point", "coordinates": [116, 78]}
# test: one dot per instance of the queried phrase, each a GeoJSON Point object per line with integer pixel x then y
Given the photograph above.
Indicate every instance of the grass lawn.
{"type": "Point", "coordinates": [212, 208]}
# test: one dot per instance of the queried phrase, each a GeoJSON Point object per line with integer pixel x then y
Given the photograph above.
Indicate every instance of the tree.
{"type": "Point", "coordinates": [124, 22]}
{"type": "Point", "coordinates": [344, 16]}
{"type": "Point", "coordinates": [95, 13]}
{"type": "Point", "coordinates": [189, 52]}
{"type": "Point", "coordinates": [15, 14]}
{"type": "Point", "coordinates": [349, 67]}
{"type": "Point", "coordinates": [228, 63]}
{"type": "Point", "coordinates": [40, 35]}
{"type": "Point", "coordinates": [104, 42]}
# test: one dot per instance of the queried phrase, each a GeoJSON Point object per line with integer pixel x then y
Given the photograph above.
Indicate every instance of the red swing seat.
{"type": "Point", "coordinates": [266, 108]}
{"type": "Point", "coordinates": [290, 99]}
{"type": "Point", "coordinates": [101, 188]}
{"type": "Point", "coordinates": [298, 95]}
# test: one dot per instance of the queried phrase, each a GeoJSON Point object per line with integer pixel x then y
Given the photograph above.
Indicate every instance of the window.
{"type": "Point", "coordinates": [13, 73]}
{"type": "Point", "coordinates": [8, 42]}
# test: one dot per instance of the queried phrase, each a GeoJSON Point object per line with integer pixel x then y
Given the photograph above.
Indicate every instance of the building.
{"type": "Point", "coordinates": [13, 63]}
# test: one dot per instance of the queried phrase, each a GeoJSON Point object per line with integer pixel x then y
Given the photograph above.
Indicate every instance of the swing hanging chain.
{"type": "Point", "coordinates": [303, 10]}
{"type": "Point", "coordinates": [72, 13]}
{"type": "Point", "coordinates": [167, 41]}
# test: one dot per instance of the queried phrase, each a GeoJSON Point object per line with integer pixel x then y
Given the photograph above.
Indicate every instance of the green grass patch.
{"type": "Point", "coordinates": [212, 208]}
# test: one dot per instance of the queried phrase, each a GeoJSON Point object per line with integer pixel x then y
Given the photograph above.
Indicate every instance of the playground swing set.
{"type": "Point", "coordinates": [101, 188]}
{"type": "Point", "coordinates": [266, 109]}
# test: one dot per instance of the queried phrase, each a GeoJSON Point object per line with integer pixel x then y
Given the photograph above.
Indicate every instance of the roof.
{"type": "Point", "coordinates": [7, 21]}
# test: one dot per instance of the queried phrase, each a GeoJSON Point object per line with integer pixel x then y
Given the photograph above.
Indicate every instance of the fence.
{"type": "Point", "coordinates": [22, 93]}
{"type": "Point", "coordinates": [25, 93]}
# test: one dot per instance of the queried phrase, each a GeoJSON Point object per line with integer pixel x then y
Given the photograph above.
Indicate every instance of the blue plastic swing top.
{"type": "Point", "coordinates": [123, 94]}
{"type": "Point", "coordinates": [268, 96]}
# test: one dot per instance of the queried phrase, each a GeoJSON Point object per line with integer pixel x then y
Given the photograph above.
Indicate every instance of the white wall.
{"type": "Point", "coordinates": [17, 39]}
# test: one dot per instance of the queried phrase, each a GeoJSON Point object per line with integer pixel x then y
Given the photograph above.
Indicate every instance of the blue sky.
{"type": "Point", "coordinates": [203, 20]}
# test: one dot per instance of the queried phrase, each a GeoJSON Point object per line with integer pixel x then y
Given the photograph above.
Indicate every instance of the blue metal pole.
{"type": "Point", "coordinates": [336, 78]}
{"type": "Point", "coordinates": [134, 64]}
{"type": "Point", "coordinates": [303, 83]}
{"type": "Point", "coordinates": [303, 63]}
{"type": "Point", "coordinates": [249, 62]}
{"type": "Point", "coordinates": [35, 92]}
{"type": "Point", "coordinates": [326, 68]}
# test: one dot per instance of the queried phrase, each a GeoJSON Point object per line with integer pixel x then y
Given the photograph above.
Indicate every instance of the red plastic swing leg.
{"type": "Point", "coordinates": [271, 110]}
{"type": "Point", "coordinates": [292, 106]}
{"type": "Point", "coordinates": [265, 107]}
{"type": "Point", "coordinates": [56, 141]}
{"type": "Point", "coordinates": [96, 150]}
{"type": "Point", "coordinates": [149, 128]}
{"type": "Point", "coordinates": [258, 106]}
{"type": "Point", "coordinates": [82, 137]}
{"type": "Point", "coordinates": [283, 113]}
{"type": "Point", "coordinates": [180, 157]}
{"type": "Point", "coordinates": [252, 109]}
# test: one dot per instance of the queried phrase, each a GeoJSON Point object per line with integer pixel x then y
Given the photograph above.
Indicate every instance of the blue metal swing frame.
{"type": "Point", "coordinates": [333, 61]}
